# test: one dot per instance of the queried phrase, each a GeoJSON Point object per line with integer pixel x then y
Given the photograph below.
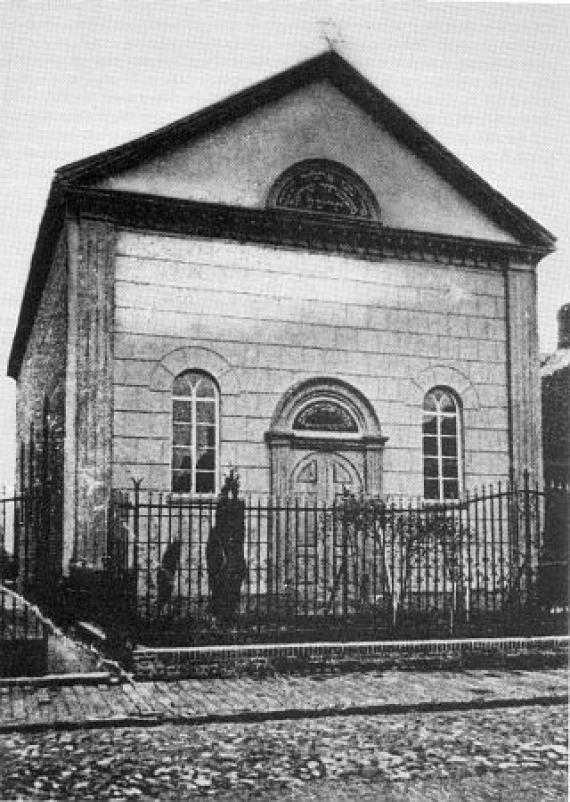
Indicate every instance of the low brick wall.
{"type": "Point", "coordinates": [219, 661]}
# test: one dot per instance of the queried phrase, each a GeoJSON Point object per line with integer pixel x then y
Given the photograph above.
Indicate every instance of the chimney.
{"type": "Point", "coordinates": [564, 326]}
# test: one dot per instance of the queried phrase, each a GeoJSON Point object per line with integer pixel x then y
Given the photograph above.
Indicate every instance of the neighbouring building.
{"type": "Point", "coordinates": [555, 374]}
{"type": "Point", "coordinates": [298, 281]}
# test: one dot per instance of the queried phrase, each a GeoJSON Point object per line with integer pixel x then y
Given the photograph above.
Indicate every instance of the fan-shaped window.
{"type": "Point", "coordinates": [325, 415]}
{"type": "Point", "coordinates": [442, 447]}
{"type": "Point", "coordinates": [324, 187]}
{"type": "Point", "coordinates": [195, 415]}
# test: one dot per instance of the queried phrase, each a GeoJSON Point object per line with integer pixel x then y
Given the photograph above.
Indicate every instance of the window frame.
{"type": "Point", "coordinates": [326, 433]}
{"type": "Point", "coordinates": [193, 493]}
{"type": "Point", "coordinates": [296, 174]}
{"type": "Point", "coordinates": [439, 435]}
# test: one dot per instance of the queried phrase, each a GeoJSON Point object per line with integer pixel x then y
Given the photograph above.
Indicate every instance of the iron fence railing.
{"type": "Point", "coordinates": [491, 562]}
{"type": "Point", "coordinates": [21, 535]}
{"type": "Point", "coordinates": [256, 569]}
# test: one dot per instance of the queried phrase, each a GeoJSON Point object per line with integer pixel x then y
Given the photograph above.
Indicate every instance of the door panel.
{"type": "Point", "coordinates": [322, 476]}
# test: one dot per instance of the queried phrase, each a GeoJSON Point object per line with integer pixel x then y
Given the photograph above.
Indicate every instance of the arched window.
{"type": "Point", "coordinates": [195, 433]}
{"type": "Point", "coordinates": [324, 187]}
{"type": "Point", "coordinates": [325, 415]}
{"type": "Point", "coordinates": [442, 447]}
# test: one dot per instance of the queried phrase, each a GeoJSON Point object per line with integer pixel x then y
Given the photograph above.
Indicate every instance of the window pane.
{"type": "Point", "coordinates": [449, 425]}
{"type": "Point", "coordinates": [182, 411]}
{"type": "Point", "coordinates": [451, 489]}
{"type": "Point", "coordinates": [206, 460]}
{"type": "Point", "coordinates": [430, 403]}
{"type": "Point", "coordinates": [181, 482]}
{"type": "Point", "coordinates": [205, 388]}
{"type": "Point", "coordinates": [430, 446]}
{"type": "Point", "coordinates": [450, 468]}
{"type": "Point", "coordinates": [430, 468]}
{"type": "Point", "coordinates": [205, 437]}
{"type": "Point", "coordinates": [205, 482]}
{"type": "Point", "coordinates": [430, 425]}
{"type": "Point", "coordinates": [182, 458]}
{"type": "Point", "coordinates": [182, 434]}
{"type": "Point", "coordinates": [447, 403]}
{"type": "Point", "coordinates": [183, 384]}
{"type": "Point", "coordinates": [205, 412]}
{"type": "Point", "coordinates": [431, 489]}
{"type": "Point", "coordinates": [449, 446]}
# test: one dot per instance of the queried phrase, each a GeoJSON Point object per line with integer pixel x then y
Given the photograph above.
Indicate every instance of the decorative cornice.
{"type": "Point", "coordinates": [295, 229]}
{"type": "Point", "coordinates": [278, 227]}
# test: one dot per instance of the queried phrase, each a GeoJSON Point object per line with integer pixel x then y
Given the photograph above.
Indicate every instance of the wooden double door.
{"type": "Point", "coordinates": [317, 557]}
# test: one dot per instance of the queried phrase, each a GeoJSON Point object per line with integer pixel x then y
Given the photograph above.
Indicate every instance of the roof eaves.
{"type": "Point", "coordinates": [48, 234]}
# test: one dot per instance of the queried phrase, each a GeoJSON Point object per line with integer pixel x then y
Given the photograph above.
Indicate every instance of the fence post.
{"type": "Point", "coordinates": [30, 515]}
{"type": "Point", "coordinates": [514, 522]}
{"type": "Point", "coordinates": [528, 534]}
{"type": "Point", "coordinates": [270, 579]}
{"type": "Point", "coordinates": [110, 538]}
{"type": "Point", "coordinates": [111, 550]}
{"type": "Point", "coordinates": [136, 512]}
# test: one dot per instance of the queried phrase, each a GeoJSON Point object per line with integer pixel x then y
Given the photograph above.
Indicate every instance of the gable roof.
{"type": "Point", "coordinates": [76, 179]}
{"type": "Point", "coordinates": [328, 65]}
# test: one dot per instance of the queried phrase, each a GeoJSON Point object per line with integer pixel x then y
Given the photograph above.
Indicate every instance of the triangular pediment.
{"type": "Point", "coordinates": [234, 152]}
{"type": "Point", "coordinates": [318, 138]}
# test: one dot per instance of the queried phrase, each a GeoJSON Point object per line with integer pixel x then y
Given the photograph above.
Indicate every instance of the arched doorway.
{"type": "Point", "coordinates": [325, 437]}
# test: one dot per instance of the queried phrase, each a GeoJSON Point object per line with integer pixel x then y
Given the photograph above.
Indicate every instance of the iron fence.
{"type": "Point", "coordinates": [21, 538]}
{"type": "Point", "coordinates": [357, 567]}
{"type": "Point", "coordinates": [214, 571]}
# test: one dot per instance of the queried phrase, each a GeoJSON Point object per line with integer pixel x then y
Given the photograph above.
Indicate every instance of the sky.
{"type": "Point", "coordinates": [489, 80]}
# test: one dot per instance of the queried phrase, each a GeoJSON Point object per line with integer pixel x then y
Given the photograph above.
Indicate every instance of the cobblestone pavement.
{"type": "Point", "coordinates": [502, 754]}
{"type": "Point", "coordinates": [24, 706]}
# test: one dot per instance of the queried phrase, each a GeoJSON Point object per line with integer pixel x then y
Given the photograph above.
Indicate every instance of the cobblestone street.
{"type": "Point", "coordinates": [506, 754]}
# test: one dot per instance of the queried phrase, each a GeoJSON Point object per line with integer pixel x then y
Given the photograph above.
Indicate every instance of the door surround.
{"type": "Point", "coordinates": [352, 426]}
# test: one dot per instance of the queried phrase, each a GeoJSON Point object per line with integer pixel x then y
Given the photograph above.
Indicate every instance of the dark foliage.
{"type": "Point", "coordinates": [167, 573]}
{"type": "Point", "coordinates": [224, 552]}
